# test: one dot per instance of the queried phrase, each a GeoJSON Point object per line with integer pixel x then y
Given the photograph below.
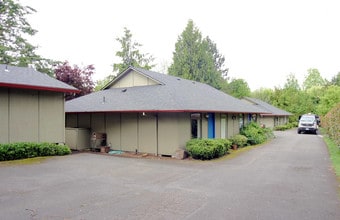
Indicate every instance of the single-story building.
{"type": "Point", "coordinates": [273, 118]}
{"type": "Point", "coordinates": [31, 106]}
{"type": "Point", "coordinates": [155, 113]}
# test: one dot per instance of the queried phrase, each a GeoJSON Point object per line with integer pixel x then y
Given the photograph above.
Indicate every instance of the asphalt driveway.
{"type": "Point", "coordinates": [288, 178]}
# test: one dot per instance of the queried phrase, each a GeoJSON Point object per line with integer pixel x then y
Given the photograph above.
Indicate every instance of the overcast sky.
{"type": "Point", "coordinates": [263, 41]}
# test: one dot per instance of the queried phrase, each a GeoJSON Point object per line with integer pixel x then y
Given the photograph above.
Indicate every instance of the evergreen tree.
{"type": "Point", "coordinates": [219, 59]}
{"type": "Point", "coordinates": [130, 54]}
{"type": "Point", "coordinates": [194, 58]}
{"type": "Point", "coordinates": [14, 28]}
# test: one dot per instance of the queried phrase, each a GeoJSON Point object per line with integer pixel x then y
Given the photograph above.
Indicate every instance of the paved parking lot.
{"type": "Point", "coordinates": [288, 178]}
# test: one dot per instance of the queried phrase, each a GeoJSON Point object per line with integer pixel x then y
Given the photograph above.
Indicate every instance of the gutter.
{"type": "Point", "coordinates": [40, 88]}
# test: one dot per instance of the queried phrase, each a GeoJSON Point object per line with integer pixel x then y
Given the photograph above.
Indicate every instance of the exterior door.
{"type": "Point", "coordinates": [211, 125]}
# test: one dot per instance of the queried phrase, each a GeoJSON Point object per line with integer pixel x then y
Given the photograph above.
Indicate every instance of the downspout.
{"type": "Point", "coordinates": [9, 115]}
{"type": "Point", "coordinates": [39, 112]}
{"type": "Point", "coordinates": [157, 134]}
{"type": "Point", "coordinates": [138, 121]}
{"type": "Point", "coordinates": [120, 131]}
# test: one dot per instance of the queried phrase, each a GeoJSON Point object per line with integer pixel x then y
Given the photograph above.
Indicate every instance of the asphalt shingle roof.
{"type": "Point", "coordinates": [267, 107]}
{"type": "Point", "coordinates": [29, 78]}
{"type": "Point", "coordinates": [172, 94]}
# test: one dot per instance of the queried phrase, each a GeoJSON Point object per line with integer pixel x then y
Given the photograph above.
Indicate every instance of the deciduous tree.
{"type": "Point", "coordinates": [77, 77]}
{"type": "Point", "coordinates": [238, 88]}
{"type": "Point", "coordinates": [263, 94]}
{"type": "Point", "coordinates": [292, 83]}
{"type": "Point", "coordinates": [336, 80]}
{"type": "Point", "coordinates": [312, 79]}
{"type": "Point", "coordinates": [329, 99]}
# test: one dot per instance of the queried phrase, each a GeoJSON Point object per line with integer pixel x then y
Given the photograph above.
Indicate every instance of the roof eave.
{"type": "Point", "coordinates": [275, 114]}
{"type": "Point", "coordinates": [166, 110]}
{"type": "Point", "coordinates": [40, 88]}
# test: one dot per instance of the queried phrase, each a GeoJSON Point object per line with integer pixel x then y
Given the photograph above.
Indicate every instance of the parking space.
{"type": "Point", "coordinates": [288, 178]}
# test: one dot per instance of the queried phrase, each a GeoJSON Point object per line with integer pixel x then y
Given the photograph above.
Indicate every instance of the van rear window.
{"type": "Point", "coordinates": [307, 119]}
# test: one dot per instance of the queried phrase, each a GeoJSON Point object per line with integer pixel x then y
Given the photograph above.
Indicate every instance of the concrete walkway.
{"type": "Point", "coordinates": [289, 178]}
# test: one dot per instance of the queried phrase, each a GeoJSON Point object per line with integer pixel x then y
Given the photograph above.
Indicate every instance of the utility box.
{"type": "Point", "coordinates": [77, 138]}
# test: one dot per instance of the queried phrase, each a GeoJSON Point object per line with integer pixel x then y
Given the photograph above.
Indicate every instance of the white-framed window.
{"type": "Point", "coordinates": [223, 125]}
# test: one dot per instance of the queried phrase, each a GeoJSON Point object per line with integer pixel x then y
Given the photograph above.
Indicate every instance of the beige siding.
{"type": "Point", "coordinates": [31, 116]}
{"type": "Point", "coordinates": [155, 133]}
{"type": "Point", "coordinates": [4, 134]}
{"type": "Point", "coordinates": [147, 133]}
{"type": "Point", "coordinates": [24, 116]}
{"type": "Point", "coordinates": [217, 125]}
{"type": "Point", "coordinates": [51, 117]}
{"type": "Point", "coordinates": [233, 125]}
{"type": "Point", "coordinates": [113, 130]}
{"type": "Point", "coordinates": [184, 129]}
{"type": "Point", "coordinates": [267, 121]}
{"type": "Point", "coordinates": [167, 133]}
{"type": "Point", "coordinates": [77, 138]}
{"type": "Point", "coordinates": [134, 79]}
{"type": "Point", "coordinates": [173, 132]}
{"type": "Point", "coordinates": [129, 132]}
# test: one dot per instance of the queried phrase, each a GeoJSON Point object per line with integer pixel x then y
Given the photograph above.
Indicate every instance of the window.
{"type": "Point", "coordinates": [196, 125]}
{"type": "Point", "coordinates": [223, 125]}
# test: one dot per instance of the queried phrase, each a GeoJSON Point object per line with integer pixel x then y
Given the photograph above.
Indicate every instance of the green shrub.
{"type": "Point", "coordinates": [15, 151]}
{"type": "Point", "coordinates": [239, 139]}
{"type": "Point", "coordinates": [256, 134]}
{"type": "Point", "coordinates": [331, 122]}
{"type": "Point", "coordinates": [285, 126]}
{"type": "Point", "coordinates": [207, 149]}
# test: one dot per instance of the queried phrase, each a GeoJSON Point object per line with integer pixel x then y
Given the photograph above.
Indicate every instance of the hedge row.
{"type": "Point", "coordinates": [15, 151]}
{"type": "Point", "coordinates": [286, 126]}
{"type": "Point", "coordinates": [207, 149]}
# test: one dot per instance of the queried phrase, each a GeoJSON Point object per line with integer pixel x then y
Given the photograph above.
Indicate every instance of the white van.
{"type": "Point", "coordinates": [308, 123]}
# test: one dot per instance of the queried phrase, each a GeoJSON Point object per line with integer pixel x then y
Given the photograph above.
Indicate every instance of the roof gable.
{"type": "Point", "coordinates": [29, 78]}
{"type": "Point", "coordinates": [130, 78]}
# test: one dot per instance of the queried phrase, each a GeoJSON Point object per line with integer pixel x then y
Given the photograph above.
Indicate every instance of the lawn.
{"type": "Point", "coordinates": [334, 152]}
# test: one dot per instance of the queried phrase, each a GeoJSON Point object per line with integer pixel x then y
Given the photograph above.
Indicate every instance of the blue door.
{"type": "Point", "coordinates": [211, 125]}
